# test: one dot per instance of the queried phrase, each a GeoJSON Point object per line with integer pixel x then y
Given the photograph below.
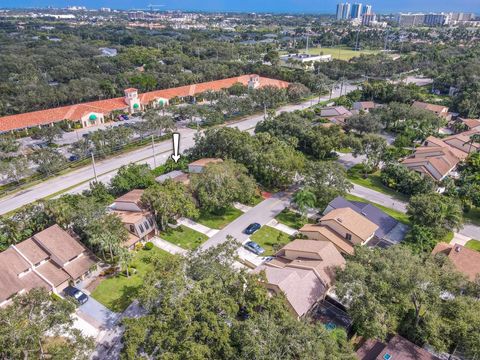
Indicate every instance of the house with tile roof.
{"type": "Point", "coordinates": [336, 114]}
{"type": "Point", "coordinates": [439, 110]}
{"type": "Point", "coordinates": [397, 348]}
{"type": "Point", "coordinates": [50, 259]}
{"type": "Point", "coordinates": [198, 166]}
{"type": "Point", "coordinates": [304, 271]}
{"type": "Point", "coordinates": [343, 227]}
{"type": "Point", "coordinates": [365, 106]}
{"type": "Point", "coordinates": [438, 158]}
{"type": "Point", "coordinates": [139, 222]}
{"type": "Point", "coordinates": [390, 231]}
{"type": "Point", "coordinates": [465, 260]}
{"type": "Point", "coordinates": [96, 112]}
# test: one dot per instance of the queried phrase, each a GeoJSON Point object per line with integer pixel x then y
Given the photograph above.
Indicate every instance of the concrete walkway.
{"type": "Point", "coordinates": [460, 239]}
{"type": "Point", "coordinates": [281, 227]}
{"type": "Point", "coordinates": [197, 227]}
{"type": "Point", "coordinates": [168, 246]}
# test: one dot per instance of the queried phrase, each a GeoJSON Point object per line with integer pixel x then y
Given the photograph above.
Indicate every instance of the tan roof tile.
{"type": "Point", "coordinates": [465, 260]}
{"type": "Point", "coordinates": [353, 222]}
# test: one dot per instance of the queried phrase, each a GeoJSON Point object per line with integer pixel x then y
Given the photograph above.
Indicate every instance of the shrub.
{"type": "Point", "coordinates": [148, 246]}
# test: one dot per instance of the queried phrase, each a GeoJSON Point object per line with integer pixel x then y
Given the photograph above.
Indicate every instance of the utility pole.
{"type": "Point", "coordinates": [153, 151]}
{"type": "Point", "coordinates": [94, 170]}
{"type": "Point", "coordinates": [264, 111]}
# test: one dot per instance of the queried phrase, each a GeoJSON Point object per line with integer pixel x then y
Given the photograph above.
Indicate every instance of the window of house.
{"type": "Point", "coordinates": [150, 221]}
{"type": "Point", "coordinates": [132, 228]}
{"type": "Point", "coordinates": [141, 228]}
{"type": "Point", "coordinates": [146, 225]}
{"type": "Point", "coordinates": [348, 237]}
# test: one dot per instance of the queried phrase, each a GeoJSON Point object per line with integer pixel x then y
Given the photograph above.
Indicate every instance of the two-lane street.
{"type": "Point", "coordinates": [78, 180]}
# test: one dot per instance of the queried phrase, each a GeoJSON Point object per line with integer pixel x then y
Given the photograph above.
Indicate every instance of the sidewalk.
{"type": "Point", "coordinates": [197, 227]}
{"type": "Point", "coordinates": [168, 246]}
{"type": "Point", "coordinates": [281, 227]}
{"type": "Point", "coordinates": [459, 239]}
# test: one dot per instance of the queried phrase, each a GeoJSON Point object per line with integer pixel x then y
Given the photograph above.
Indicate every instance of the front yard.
{"type": "Point", "coordinates": [292, 219]}
{"type": "Point", "coordinates": [270, 239]}
{"type": "Point", "coordinates": [184, 237]}
{"type": "Point", "coordinates": [372, 181]}
{"type": "Point", "coordinates": [117, 292]}
{"type": "Point", "coordinates": [218, 221]}
{"type": "Point", "coordinates": [473, 244]}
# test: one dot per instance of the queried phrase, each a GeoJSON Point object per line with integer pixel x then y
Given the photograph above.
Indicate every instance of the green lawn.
{"type": "Point", "coordinates": [393, 213]}
{"type": "Point", "coordinates": [372, 181]}
{"type": "Point", "coordinates": [473, 244]}
{"type": "Point", "coordinates": [117, 292]}
{"type": "Point", "coordinates": [184, 237]}
{"type": "Point", "coordinates": [270, 239]}
{"type": "Point", "coordinates": [340, 53]}
{"type": "Point", "coordinates": [215, 221]}
{"type": "Point", "coordinates": [290, 218]}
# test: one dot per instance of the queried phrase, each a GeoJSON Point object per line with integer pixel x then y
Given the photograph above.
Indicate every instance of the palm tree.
{"type": "Point", "coordinates": [158, 123]}
{"type": "Point", "coordinates": [475, 138]}
{"type": "Point", "coordinates": [125, 258]}
{"type": "Point", "coordinates": [303, 200]}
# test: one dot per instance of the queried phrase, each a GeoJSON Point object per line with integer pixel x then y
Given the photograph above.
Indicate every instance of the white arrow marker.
{"type": "Point", "coordinates": [176, 147]}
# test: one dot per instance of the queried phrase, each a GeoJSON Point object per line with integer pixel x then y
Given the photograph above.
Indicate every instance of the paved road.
{"type": "Point", "coordinates": [469, 230]}
{"type": "Point", "coordinates": [106, 169]}
{"type": "Point", "coordinates": [262, 214]}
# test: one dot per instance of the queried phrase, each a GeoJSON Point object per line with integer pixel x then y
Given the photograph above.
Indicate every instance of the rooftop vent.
{"type": "Point", "coordinates": [458, 248]}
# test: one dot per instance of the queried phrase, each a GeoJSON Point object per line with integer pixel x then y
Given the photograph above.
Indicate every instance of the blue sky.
{"type": "Point", "coordinates": [310, 6]}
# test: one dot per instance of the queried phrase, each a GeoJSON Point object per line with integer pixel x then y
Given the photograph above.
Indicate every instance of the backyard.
{"type": "Point", "coordinates": [270, 239]}
{"type": "Point", "coordinates": [184, 237]}
{"type": "Point", "coordinates": [117, 292]}
{"type": "Point", "coordinates": [218, 221]}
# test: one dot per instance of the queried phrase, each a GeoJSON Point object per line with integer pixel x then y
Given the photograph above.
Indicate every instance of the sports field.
{"type": "Point", "coordinates": [340, 53]}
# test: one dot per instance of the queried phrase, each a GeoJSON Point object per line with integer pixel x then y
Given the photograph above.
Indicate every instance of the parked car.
{"type": "Point", "coordinates": [252, 228]}
{"type": "Point", "coordinates": [73, 158]}
{"type": "Point", "coordinates": [254, 247]}
{"type": "Point", "coordinates": [125, 117]}
{"type": "Point", "coordinates": [76, 294]}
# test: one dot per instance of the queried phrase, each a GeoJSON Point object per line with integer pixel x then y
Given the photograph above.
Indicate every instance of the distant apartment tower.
{"type": "Point", "coordinates": [436, 19]}
{"type": "Point", "coordinates": [356, 11]}
{"type": "Point", "coordinates": [369, 19]}
{"type": "Point", "coordinates": [409, 19]}
{"type": "Point", "coordinates": [346, 11]}
{"type": "Point", "coordinates": [462, 16]}
{"type": "Point", "coordinates": [367, 9]}
{"type": "Point", "coordinates": [136, 15]}
{"type": "Point", "coordinates": [339, 11]}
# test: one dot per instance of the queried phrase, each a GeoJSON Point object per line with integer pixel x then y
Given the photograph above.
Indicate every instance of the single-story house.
{"type": "Point", "coordinates": [336, 114]}
{"type": "Point", "coordinates": [140, 223]}
{"type": "Point", "coordinates": [175, 175]}
{"type": "Point", "coordinates": [396, 348]}
{"type": "Point", "coordinates": [343, 227]}
{"type": "Point", "coordinates": [365, 106]}
{"type": "Point", "coordinates": [95, 112]}
{"type": "Point", "coordinates": [304, 271]}
{"type": "Point", "coordinates": [465, 260]}
{"type": "Point", "coordinates": [438, 110]}
{"type": "Point", "coordinates": [199, 165]}
{"type": "Point", "coordinates": [390, 231]}
{"type": "Point", "coordinates": [51, 259]}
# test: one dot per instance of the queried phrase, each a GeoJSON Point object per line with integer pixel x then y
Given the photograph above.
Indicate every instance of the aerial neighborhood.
{"type": "Point", "coordinates": [209, 185]}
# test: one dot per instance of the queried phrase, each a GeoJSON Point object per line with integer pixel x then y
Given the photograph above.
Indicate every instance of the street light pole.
{"type": "Point", "coordinates": [153, 151]}
{"type": "Point", "coordinates": [94, 170]}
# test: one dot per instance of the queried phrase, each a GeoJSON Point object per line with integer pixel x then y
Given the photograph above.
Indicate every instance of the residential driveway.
{"type": "Point", "coordinates": [348, 160]}
{"type": "Point", "coordinates": [471, 231]}
{"type": "Point", "coordinates": [262, 214]}
{"type": "Point", "coordinates": [103, 317]}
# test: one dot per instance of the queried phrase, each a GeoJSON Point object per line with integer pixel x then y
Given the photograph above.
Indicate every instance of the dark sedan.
{"type": "Point", "coordinates": [76, 294]}
{"type": "Point", "coordinates": [252, 228]}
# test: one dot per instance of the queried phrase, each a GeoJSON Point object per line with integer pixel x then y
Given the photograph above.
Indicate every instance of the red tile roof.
{"type": "Point", "coordinates": [76, 112]}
